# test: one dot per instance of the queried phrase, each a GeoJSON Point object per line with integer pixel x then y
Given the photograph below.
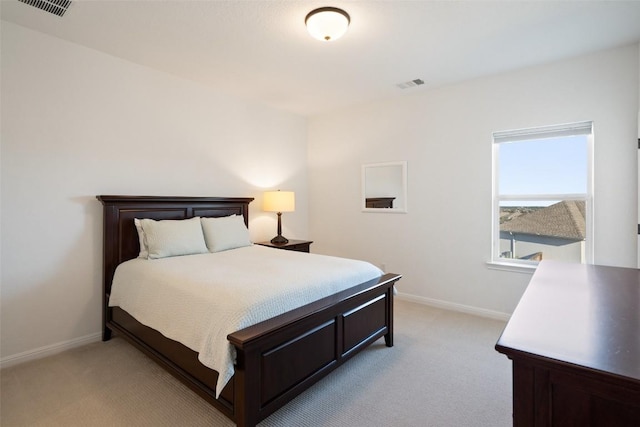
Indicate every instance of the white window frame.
{"type": "Point", "coordinates": [554, 131]}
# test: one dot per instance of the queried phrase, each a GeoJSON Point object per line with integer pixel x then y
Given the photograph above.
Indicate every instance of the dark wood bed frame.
{"type": "Point", "coordinates": [276, 359]}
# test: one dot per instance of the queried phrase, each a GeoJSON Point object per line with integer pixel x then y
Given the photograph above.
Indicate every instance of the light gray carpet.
{"type": "Point", "coordinates": [442, 371]}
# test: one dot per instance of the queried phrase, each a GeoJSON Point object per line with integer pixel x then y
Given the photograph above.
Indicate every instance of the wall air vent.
{"type": "Point", "coordinates": [410, 83]}
{"type": "Point", "coordinates": [57, 7]}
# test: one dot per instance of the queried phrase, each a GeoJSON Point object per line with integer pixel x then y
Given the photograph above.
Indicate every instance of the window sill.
{"type": "Point", "coordinates": [512, 267]}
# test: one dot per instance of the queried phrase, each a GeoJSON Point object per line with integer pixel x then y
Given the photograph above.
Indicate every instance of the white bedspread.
{"type": "Point", "coordinates": [198, 300]}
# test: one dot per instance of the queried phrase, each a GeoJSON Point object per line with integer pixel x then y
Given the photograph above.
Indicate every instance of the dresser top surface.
{"type": "Point", "coordinates": [583, 315]}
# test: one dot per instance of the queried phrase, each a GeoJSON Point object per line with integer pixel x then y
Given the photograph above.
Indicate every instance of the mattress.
{"type": "Point", "coordinates": [198, 300]}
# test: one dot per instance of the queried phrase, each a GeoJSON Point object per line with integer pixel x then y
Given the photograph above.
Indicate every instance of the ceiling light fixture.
{"type": "Point", "coordinates": [327, 23]}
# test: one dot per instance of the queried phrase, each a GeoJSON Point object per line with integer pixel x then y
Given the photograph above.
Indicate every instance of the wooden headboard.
{"type": "Point", "coordinates": [121, 238]}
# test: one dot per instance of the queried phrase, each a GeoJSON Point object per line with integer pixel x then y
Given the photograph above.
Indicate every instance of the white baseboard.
{"type": "Point", "coordinates": [446, 305]}
{"type": "Point", "coordinates": [48, 350]}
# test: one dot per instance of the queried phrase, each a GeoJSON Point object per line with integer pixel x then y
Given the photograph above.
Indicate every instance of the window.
{"type": "Point", "coordinates": [542, 207]}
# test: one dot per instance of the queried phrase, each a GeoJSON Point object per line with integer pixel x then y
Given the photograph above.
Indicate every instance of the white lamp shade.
{"type": "Point", "coordinates": [279, 201]}
{"type": "Point", "coordinates": [327, 23]}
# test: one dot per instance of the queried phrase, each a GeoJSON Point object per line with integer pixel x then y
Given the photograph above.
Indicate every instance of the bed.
{"type": "Point", "coordinates": [276, 359]}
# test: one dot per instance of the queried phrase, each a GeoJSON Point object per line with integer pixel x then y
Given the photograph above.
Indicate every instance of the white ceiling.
{"type": "Point", "coordinates": [260, 49]}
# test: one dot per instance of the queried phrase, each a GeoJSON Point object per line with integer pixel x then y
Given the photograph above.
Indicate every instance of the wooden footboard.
{"type": "Point", "coordinates": [280, 358]}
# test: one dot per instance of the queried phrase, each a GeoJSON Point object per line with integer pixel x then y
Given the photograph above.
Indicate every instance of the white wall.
{"type": "Point", "coordinates": [77, 123]}
{"type": "Point", "coordinates": [442, 244]}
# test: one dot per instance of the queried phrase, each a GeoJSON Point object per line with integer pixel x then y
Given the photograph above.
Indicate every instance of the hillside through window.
{"type": "Point", "coordinates": [542, 194]}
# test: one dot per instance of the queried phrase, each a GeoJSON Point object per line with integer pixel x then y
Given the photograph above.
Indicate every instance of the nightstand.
{"type": "Point", "coordinates": [293, 245]}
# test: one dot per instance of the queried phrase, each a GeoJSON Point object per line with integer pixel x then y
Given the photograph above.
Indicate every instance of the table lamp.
{"type": "Point", "coordinates": [279, 201]}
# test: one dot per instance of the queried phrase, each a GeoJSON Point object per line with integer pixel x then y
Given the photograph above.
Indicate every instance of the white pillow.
{"type": "Point", "coordinates": [227, 232]}
{"type": "Point", "coordinates": [144, 251]}
{"type": "Point", "coordinates": [173, 237]}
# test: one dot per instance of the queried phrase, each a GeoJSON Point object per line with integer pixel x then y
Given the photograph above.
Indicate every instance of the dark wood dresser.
{"type": "Point", "coordinates": [379, 202]}
{"type": "Point", "coordinates": [574, 340]}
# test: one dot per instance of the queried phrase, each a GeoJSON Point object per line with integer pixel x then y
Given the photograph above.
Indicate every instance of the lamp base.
{"type": "Point", "coordinates": [279, 240]}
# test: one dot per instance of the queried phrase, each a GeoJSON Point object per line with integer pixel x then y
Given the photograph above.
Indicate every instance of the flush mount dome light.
{"type": "Point", "coordinates": [327, 23]}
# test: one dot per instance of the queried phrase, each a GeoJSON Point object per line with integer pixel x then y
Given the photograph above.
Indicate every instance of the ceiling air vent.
{"type": "Point", "coordinates": [410, 83]}
{"type": "Point", "coordinates": [57, 7]}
